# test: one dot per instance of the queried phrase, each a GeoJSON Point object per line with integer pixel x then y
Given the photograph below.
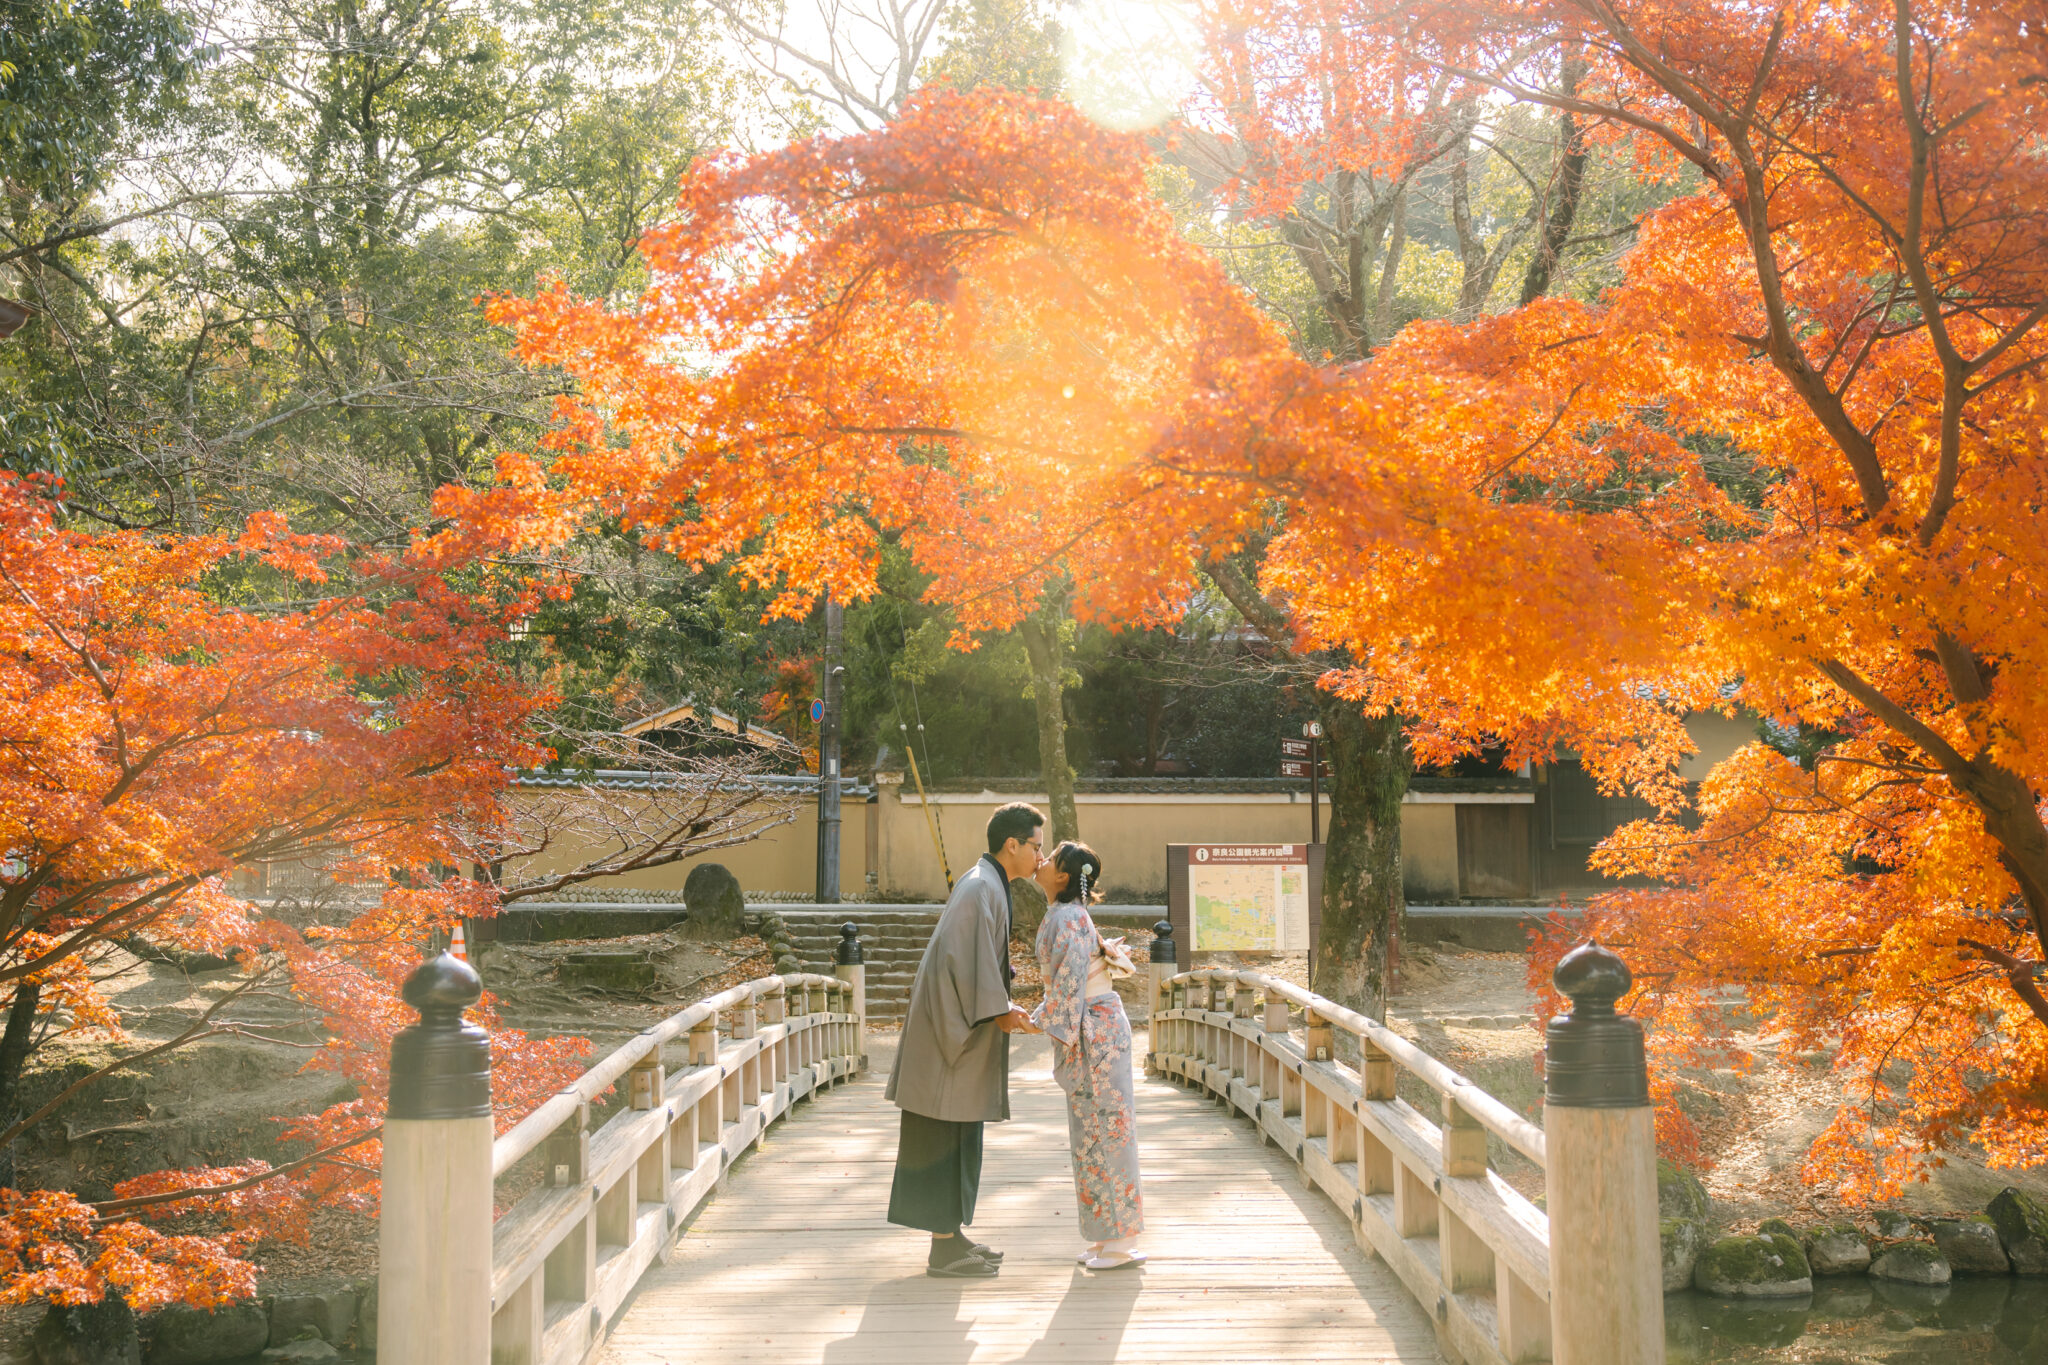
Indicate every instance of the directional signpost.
{"type": "Point", "coordinates": [1304, 758]}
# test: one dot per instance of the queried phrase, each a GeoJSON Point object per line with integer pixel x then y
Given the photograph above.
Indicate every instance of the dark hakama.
{"type": "Point", "coordinates": [938, 1171]}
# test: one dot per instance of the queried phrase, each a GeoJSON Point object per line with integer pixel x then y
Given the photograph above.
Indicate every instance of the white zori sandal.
{"type": "Point", "coordinates": [1115, 1255]}
{"type": "Point", "coordinates": [1088, 1254]}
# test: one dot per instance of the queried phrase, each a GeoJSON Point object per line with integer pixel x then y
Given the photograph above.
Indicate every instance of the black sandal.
{"type": "Point", "coordinates": [987, 1253]}
{"type": "Point", "coordinates": [968, 1267]}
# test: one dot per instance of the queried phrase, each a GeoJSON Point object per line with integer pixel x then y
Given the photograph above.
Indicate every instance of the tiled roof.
{"type": "Point", "coordinates": [624, 779]}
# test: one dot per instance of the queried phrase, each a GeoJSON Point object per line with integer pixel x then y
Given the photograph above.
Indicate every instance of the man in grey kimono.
{"type": "Point", "coordinates": [953, 1067]}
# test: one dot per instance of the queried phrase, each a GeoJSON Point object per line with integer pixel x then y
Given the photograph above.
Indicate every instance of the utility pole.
{"type": "Point", "coordinates": [828, 757]}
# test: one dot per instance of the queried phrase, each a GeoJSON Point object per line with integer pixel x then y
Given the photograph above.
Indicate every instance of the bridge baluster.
{"type": "Point", "coordinates": [1606, 1279]}
{"type": "Point", "coordinates": [1163, 965]}
{"type": "Point", "coordinates": [1464, 1142]}
{"type": "Point", "coordinates": [1319, 1040]}
{"type": "Point", "coordinates": [434, 1235]}
{"type": "Point", "coordinates": [850, 966]}
{"type": "Point", "coordinates": [646, 1080]}
{"type": "Point", "coordinates": [1379, 1071]}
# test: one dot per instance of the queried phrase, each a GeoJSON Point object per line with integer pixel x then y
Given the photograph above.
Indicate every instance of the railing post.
{"type": "Point", "coordinates": [1606, 1276]}
{"type": "Point", "coordinates": [434, 1233]}
{"type": "Point", "coordinates": [1319, 1040]}
{"type": "Point", "coordinates": [704, 1041]}
{"type": "Point", "coordinates": [647, 1079]}
{"type": "Point", "coordinates": [851, 967]}
{"type": "Point", "coordinates": [1163, 957]}
{"type": "Point", "coordinates": [1278, 1018]}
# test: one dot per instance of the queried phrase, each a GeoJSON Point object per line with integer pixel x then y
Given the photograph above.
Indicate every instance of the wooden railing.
{"type": "Point", "coordinates": [1417, 1188]}
{"type": "Point", "coordinates": [565, 1256]}
{"type": "Point", "coordinates": [542, 1283]}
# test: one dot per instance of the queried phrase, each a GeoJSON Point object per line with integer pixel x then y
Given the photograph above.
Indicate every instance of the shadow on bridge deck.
{"type": "Point", "coordinates": [793, 1262]}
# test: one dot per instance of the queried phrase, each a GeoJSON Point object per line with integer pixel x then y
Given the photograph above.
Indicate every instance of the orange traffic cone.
{"type": "Point", "coordinates": [458, 945]}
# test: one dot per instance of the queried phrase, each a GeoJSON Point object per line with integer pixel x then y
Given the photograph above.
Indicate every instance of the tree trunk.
{"type": "Point", "coordinates": [14, 1048]}
{"type": "Point", "coordinates": [1363, 905]}
{"type": "Point", "coordinates": [1570, 179]}
{"type": "Point", "coordinates": [1043, 647]}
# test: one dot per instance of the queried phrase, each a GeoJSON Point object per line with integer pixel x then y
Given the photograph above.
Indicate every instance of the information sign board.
{"type": "Point", "coordinates": [1245, 898]}
{"type": "Point", "coordinates": [1294, 748]}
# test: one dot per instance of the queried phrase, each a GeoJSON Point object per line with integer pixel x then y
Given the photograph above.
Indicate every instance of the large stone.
{"type": "Point", "coordinates": [1838, 1248]}
{"type": "Point", "coordinates": [193, 1336]}
{"type": "Point", "coordinates": [1682, 1212]}
{"type": "Point", "coordinates": [100, 1333]}
{"type": "Point", "coordinates": [2022, 1230]}
{"type": "Point", "coordinates": [366, 1315]}
{"type": "Point", "coordinates": [329, 1313]}
{"type": "Point", "coordinates": [1911, 1263]}
{"type": "Point", "coordinates": [1894, 1226]}
{"type": "Point", "coordinates": [1760, 1267]}
{"type": "Point", "coordinates": [1682, 1240]}
{"type": "Point", "coordinates": [1971, 1246]}
{"type": "Point", "coordinates": [715, 902]}
{"type": "Point", "coordinates": [1680, 1194]}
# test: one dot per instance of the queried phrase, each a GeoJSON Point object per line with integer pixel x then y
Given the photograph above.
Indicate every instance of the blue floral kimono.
{"type": "Point", "coordinates": [1092, 1062]}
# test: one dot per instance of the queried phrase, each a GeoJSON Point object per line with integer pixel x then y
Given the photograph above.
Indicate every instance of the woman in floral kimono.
{"type": "Point", "coordinates": [1091, 1058]}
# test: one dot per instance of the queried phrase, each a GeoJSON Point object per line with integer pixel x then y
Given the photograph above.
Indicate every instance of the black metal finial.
{"type": "Point", "coordinates": [1593, 1057]}
{"type": "Point", "coordinates": [849, 945]}
{"type": "Point", "coordinates": [1163, 946]}
{"type": "Point", "coordinates": [1594, 977]}
{"type": "Point", "coordinates": [441, 1066]}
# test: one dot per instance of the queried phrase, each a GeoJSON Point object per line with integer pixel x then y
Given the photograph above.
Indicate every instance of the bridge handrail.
{"type": "Point", "coordinates": [562, 1259]}
{"type": "Point", "coordinates": [528, 1134]}
{"type": "Point", "coordinates": [1503, 1122]}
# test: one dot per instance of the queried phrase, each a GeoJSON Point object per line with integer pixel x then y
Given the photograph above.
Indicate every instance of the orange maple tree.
{"type": "Point", "coordinates": [154, 739]}
{"type": "Point", "coordinates": [1792, 462]}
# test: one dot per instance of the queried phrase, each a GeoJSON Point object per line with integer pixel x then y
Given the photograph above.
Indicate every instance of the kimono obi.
{"type": "Point", "coordinates": [1099, 982]}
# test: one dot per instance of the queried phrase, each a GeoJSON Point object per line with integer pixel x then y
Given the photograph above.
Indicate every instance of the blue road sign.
{"type": "Point", "coordinates": [817, 709]}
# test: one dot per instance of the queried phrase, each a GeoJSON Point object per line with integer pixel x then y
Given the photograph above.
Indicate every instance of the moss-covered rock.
{"type": "Point", "coordinates": [1680, 1194]}
{"type": "Point", "coordinates": [1971, 1245]}
{"type": "Point", "coordinates": [1837, 1248]}
{"type": "Point", "coordinates": [89, 1334]}
{"type": "Point", "coordinates": [1777, 1227]}
{"type": "Point", "coordinates": [1911, 1263]}
{"type": "Point", "coordinates": [1682, 1240]}
{"type": "Point", "coordinates": [1766, 1266]}
{"type": "Point", "coordinates": [194, 1336]}
{"type": "Point", "coordinates": [1894, 1226]}
{"type": "Point", "coordinates": [2022, 1230]}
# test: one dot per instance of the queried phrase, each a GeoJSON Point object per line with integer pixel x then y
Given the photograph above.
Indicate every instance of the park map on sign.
{"type": "Point", "coordinates": [1250, 907]}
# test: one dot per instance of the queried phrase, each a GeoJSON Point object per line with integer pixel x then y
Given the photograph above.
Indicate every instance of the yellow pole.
{"type": "Point", "coordinates": [926, 802]}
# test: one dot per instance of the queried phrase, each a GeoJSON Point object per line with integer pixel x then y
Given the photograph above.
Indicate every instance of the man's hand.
{"type": "Point", "coordinates": [1018, 1020]}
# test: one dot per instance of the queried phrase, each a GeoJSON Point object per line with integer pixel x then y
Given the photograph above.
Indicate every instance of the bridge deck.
{"type": "Point", "coordinates": [793, 1261]}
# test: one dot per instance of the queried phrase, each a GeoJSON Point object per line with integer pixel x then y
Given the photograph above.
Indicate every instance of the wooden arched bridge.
{"type": "Point", "coordinates": [1335, 1221]}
